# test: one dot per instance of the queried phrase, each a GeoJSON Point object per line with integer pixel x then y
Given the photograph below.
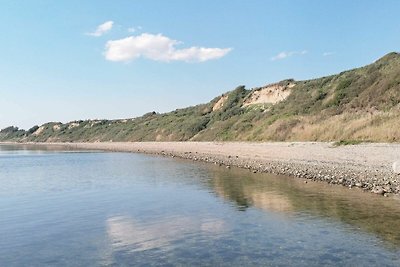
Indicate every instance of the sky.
{"type": "Point", "coordinates": [72, 60]}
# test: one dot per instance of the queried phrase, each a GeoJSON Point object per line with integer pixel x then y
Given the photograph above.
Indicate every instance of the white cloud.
{"type": "Point", "coordinates": [102, 29]}
{"type": "Point", "coordinates": [159, 48]}
{"type": "Point", "coordinates": [281, 55]}
{"type": "Point", "coordinates": [327, 54]}
{"type": "Point", "coordinates": [284, 54]}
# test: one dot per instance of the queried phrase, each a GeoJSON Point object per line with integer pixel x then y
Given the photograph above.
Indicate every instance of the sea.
{"type": "Point", "coordinates": [63, 207]}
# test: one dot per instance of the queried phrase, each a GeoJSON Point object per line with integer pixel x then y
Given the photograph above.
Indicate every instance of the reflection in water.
{"type": "Point", "coordinates": [248, 193]}
{"type": "Point", "coordinates": [33, 147]}
{"type": "Point", "coordinates": [270, 201]}
{"type": "Point", "coordinates": [131, 235]}
{"type": "Point", "coordinates": [374, 214]}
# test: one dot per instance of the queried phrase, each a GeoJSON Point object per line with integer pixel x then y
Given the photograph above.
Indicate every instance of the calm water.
{"type": "Point", "coordinates": [66, 208]}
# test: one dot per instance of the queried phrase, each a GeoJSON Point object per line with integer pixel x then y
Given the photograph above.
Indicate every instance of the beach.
{"type": "Point", "coordinates": [370, 166]}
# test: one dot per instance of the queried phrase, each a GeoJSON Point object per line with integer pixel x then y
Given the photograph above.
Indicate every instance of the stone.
{"type": "Point", "coordinates": [396, 167]}
{"type": "Point", "coordinates": [378, 190]}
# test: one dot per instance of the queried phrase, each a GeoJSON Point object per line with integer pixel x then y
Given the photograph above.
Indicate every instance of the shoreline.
{"type": "Point", "coordinates": [367, 166]}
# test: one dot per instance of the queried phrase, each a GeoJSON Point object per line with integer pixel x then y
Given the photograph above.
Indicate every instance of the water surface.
{"type": "Point", "coordinates": [76, 208]}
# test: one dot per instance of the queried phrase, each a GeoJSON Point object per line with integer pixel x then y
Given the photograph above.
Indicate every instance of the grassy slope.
{"type": "Point", "coordinates": [360, 104]}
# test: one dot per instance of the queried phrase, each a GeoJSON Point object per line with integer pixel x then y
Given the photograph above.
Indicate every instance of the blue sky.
{"type": "Point", "coordinates": [70, 60]}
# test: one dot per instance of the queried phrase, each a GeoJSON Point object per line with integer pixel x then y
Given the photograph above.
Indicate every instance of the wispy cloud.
{"type": "Point", "coordinates": [102, 29]}
{"type": "Point", "coordinates": [327, 54]}
{"type": "Point", "coordinates": [285, 54]}
{"type": "Point", "coordinates": [134, 29]}
{"type": "Point", "coordinates": [158, 48]}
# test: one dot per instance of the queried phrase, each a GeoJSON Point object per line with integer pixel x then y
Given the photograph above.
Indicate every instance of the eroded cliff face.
{"type": "Point", "coordinates": [269, 94]}
{"type": "Point", "coordinates": [220, 103]}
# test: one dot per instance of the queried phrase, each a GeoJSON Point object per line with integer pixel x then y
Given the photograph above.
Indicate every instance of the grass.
{"type": "Point", "coordinates": [347, 142]}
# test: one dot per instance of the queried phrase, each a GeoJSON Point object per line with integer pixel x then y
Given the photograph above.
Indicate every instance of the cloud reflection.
{"type": "Point", "coordinates": [126, 233]}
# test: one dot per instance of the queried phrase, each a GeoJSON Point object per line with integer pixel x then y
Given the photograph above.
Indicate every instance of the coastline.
{"type": "Point", "coordinates": [366, 166]}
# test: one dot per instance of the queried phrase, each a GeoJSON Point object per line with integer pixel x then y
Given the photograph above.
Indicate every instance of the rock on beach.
{"type": "Point", "coordinates": [396, 167]}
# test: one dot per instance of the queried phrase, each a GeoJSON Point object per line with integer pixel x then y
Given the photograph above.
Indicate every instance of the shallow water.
{"type": "Point", "coordinates": [74, 208]}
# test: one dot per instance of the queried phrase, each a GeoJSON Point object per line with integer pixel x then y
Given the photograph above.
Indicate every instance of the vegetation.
{"type": "Point", "coordinates": [348, 142]}
{"type": "Point", "coordinates": [357, 105]}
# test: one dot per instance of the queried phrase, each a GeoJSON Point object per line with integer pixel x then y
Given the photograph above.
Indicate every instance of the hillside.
{"type": "Point", "coordinates": [359, 104]}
